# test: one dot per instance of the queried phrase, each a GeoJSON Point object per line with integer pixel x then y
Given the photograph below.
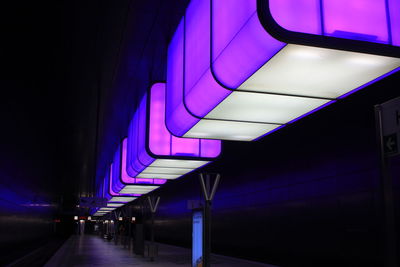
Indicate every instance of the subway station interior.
{"type": "Point", "coordinates": [200, 133]}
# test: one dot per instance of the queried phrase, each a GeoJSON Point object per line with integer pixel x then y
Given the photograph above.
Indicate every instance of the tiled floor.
{"type": "Point", "coordinates": [93, 251]}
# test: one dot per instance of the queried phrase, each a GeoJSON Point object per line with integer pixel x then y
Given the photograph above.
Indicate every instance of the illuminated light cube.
{"type": "Point", "coordinates": [112, 194]}
{"type": "Point", "coordinates": [122, 183]}
{"type": "Point", "coordinates": [153, 152]}
{"type": "Point", "coordinates": [240, 69]}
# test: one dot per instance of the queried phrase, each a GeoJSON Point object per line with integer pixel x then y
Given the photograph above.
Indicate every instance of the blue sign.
{"type": "Point", "coordinates": [197, 239]}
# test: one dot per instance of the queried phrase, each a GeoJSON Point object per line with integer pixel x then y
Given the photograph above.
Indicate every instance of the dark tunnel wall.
{"type": "Point", "coordinates": [55, 55]}
{"type": "Point", "coordinates": [306, 195]}
{"type": "Point", "coordinates": [30, 136]}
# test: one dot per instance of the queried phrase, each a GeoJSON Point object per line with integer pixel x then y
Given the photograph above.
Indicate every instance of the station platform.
{"type": "Point", "coordinates": [91, 250]}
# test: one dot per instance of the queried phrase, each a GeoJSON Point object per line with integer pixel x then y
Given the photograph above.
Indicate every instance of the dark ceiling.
{"type": "Point", "coordinates": [60, 102]}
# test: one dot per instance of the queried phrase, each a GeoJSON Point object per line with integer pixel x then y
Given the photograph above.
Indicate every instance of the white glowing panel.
{"type": "Point", "coordinates": [176, 163]}
{"type": "Point", "coordinates": [158, 176]}
{"type": "Point", "coordinates": [137, 189]}
{"type": "Point", "coordinates": [155, 170]}
{"type": "Point", "coordinates": [303, 76]}
{"type": "Point", "coordinates": [319, 72]}
{"type": "Point", "coordinates": [263, 108]}
{"type": "Point", "coordinates": [106, 209]}
{"type": "Point", "coordinates": [230, 130]}
{"type": "Point", "coordinates": [122, 199]}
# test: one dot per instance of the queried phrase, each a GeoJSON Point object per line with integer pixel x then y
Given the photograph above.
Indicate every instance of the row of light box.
{"type": "Point", "coordinates": [151, 155]}
{"type": "Point", "coordinates": [241, 69]}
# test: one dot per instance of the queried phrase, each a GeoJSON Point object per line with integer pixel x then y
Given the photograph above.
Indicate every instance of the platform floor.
{"type": "Point", "coordinates": [88, 250]}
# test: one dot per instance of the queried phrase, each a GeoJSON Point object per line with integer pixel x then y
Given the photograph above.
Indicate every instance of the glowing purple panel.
{"type": "Point", "coordinates": [249, 48]}
{"type": "Point", "coordinates": [159, 181]}
{"type": "Point", "coordinates": [176, 146]}
{"type": "Point", "coordinates": [178, 120]}
{"type": "Point", "coordinates": [227, 27]}
{"type": "Point", "coordinates": [109, 192]}
{"type": "Point", "coordinates": [144, 181]}
{"type": "Point", "coordinates": [356, 19]}
{"type": "Point", "coordinates": [143, 147]}
{"type": "Point", "coordinates": [124, 176]}
{"type": "Point", "coordinates": [209, 149]}
{"type": "Point", "coordinates": [143, 156]}
{"type": "Point", "coordinates": [394, 7]}
{"type": "Point", "coordinates": [160, 138]}
{"type": "Point", "coordinates": [241, 48]}
{"type": "Point", "coordinates": [205, 95]}
{"type": "Point", "coordinates": [201, 92]}
{"type": "Point", "coordinates": [297, 15]}
{"type": "Point", "coordinates": [197, 41]}
{"type": "Point", "coordinates": [185, 147]}
{"type": "Point", "coordinates": [116, 185]}
{"type": "Point", "coordinates": [161, 141]}
{"type": "Point", "coordinates": [134, 167]}
{"type": "Point", "coordinates": [364, 20]}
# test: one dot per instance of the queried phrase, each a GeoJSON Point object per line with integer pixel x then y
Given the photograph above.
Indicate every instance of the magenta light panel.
{"type": "Point", "coordinates": [153, 152]}
{"type": "Point", "coordinates": [125, 184]}
{"type": "Point", "coordinates": [114, 199]}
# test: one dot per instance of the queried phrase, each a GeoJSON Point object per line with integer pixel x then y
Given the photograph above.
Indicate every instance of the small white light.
{"type": "Point", "coordinates": [176, 163]}
{"type": "Point", "coordinates": [122, 199]}
{"type": "Point", "coordinates": [136, 189]}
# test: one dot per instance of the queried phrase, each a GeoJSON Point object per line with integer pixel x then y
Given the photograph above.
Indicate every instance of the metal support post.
{"type": "Point", "coordinates": [153, 202]}
{"type": "Point", "coordinates": [209, 193]}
